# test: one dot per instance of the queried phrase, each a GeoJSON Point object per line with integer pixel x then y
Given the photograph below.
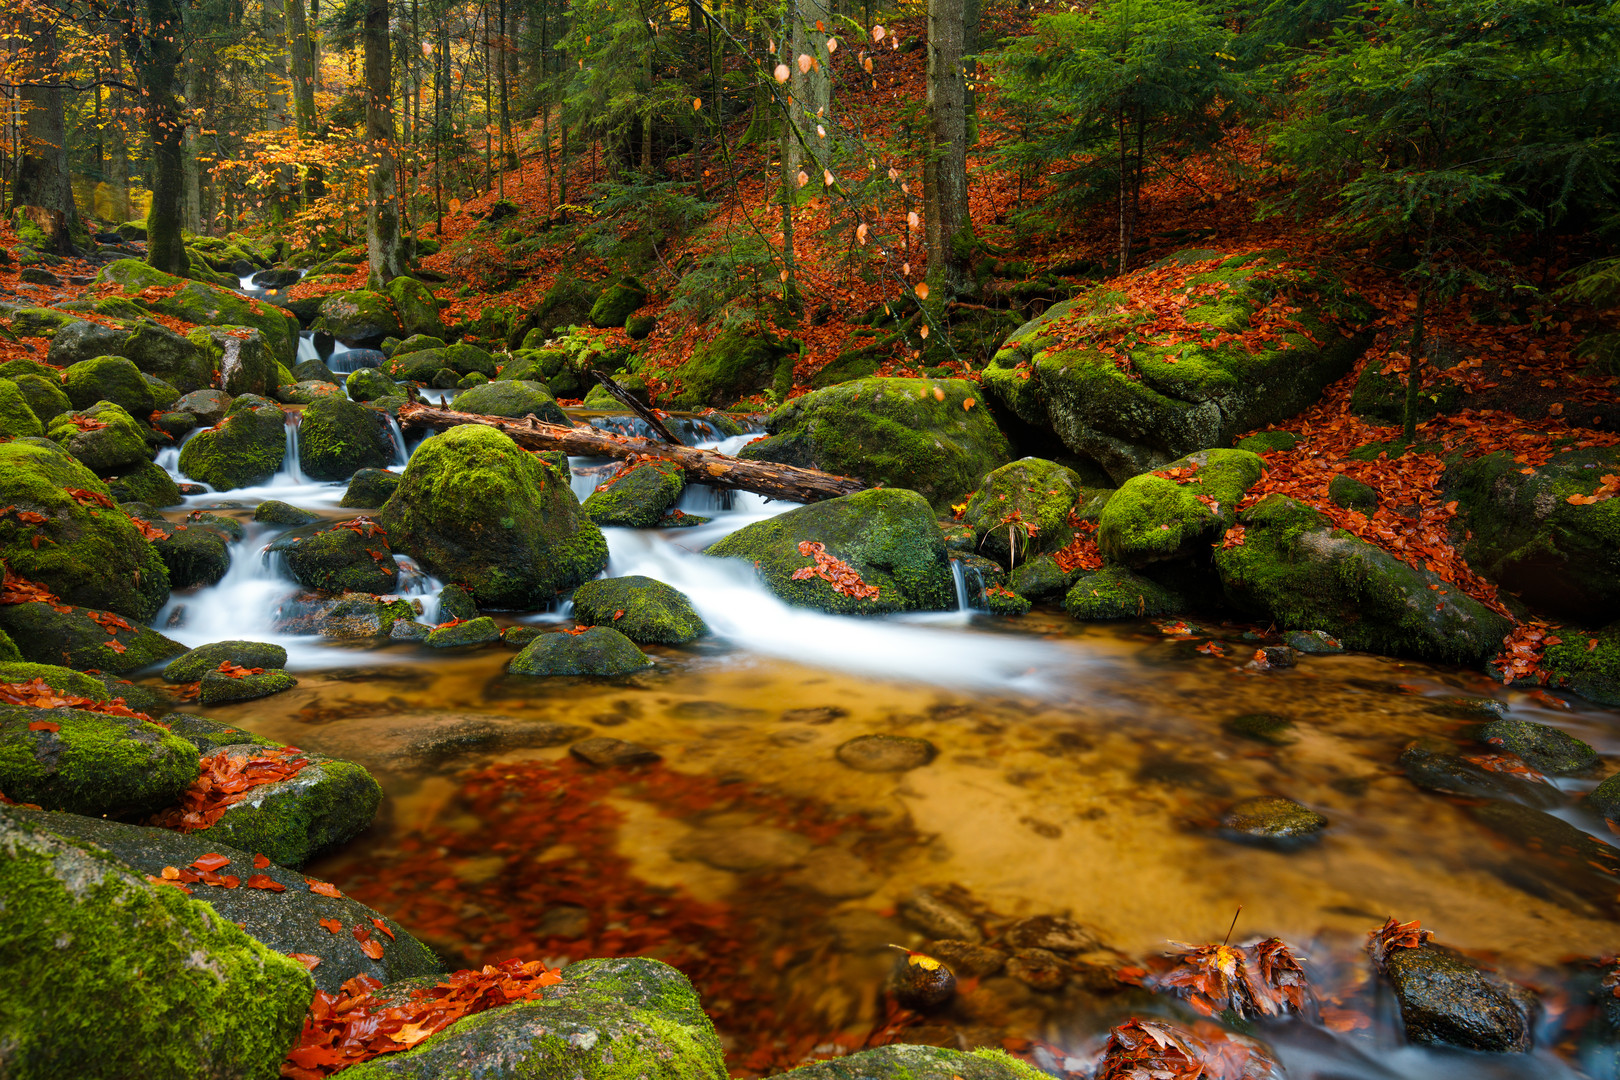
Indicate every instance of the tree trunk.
{"type": "Point", "coordinates": [274, 28]}
{"type": "Point", "coordinates": [383, 246]}
{"type": "Point", "coordinates": [701, 466]}
{"type": "Point", "coordinates": [810, 103]}
{"type": "Point", "coordinates": [192, 217]}
{"type": "Point", "coordinates": [947, 227]}
{"type": "Point", "coordinates": [508, 151]}
{"type": "Point", "coordinates": [303, 87]}
{"type": "Point", "coordinates": [42, 177]}
{"type": "Point", "coordinates": [153, 47]}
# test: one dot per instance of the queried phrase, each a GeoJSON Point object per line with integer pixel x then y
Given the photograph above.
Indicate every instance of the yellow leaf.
{"type": "Point", "coordinates": [697, 103]}
{"type": "Point", "coordinates": [922, 290]}
{"type": "Point", "coordinates": [782, 73]}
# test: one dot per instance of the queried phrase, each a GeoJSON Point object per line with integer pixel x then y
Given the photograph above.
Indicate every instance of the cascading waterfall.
{"type": "Point", "coordinates": [289, 462]}
{"type": "Point", "coordinates": [397, 435]}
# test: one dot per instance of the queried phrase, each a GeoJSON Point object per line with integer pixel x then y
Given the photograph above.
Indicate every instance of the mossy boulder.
{"type": "Point", "coordinates": [512, 399]}
{"type": "Point", "coordinates": [737, 364]}
{"type": "Point", "coordinates": [1182, 389]}
{"type": "Point", "coordinates": [910, 1062]}
{"type": "Point", "coordinates": [887, 536]}
{"type": "Point", "coordinates": [1557, 556]}
{"type": "Point", "coordinates": [642, 609]}
{"type": "Point", "coordinates": [1155, 517]}
{"type": "Point", "coordinates": [424, 365]}
{"type": "Point", "coordinates": [58, 678]}
{"type": "Point", "coordinates": [599, 650]}
{"type": "Point", "coordinates": [205, 305]}
{"type": "Point", "coordinates": [83, 552]}
{"type": "Point", "coordinates": [242, 450]}
{"type": "Point", "coordinates": [639, 327]}
{"type": "Point", "coordinates": [1382, 397]}
{"type": "Point", "coordinates": [1587, 663]}
{"type": "Point", "coordinates": [307, 391]}
{"type": "Point", "coordinates": [92, 948]}
{"type": "Point", "coordinates": [147, 483]}
{"type": "Point", "coordinates": [416, 343]}
{"type": "Point", "coordinates": [104, 438]}
{"type": "Point", "coordinates": [618, 302]}
{"type": "Point", "coordinates": [606, 1020]}
{"type": "Point", "coordinates": [366, 384]}
{"type": "Point", "coordinates": [17, 417]}
{"type": "Point", "coordinates": [369, 489]}
{"type": "Point", "coordinates": [906, 433]}
{"type": "Point", "coordinates": [1022, 509]}
{"type": "Point", "coordinates": [478, 631]}
{"type": "Point", "coordinates": [360, 317]}
{"type": "Point", "coordinates": [218, 688]}
{"type": "Point", "coordinates": [208, 406]}
{"type": "Point", "coordinates": [567, 303]}
{"type": "Point", "coordinates": [1268, 442]}
{"type": "Point", "coordinates": [1294, 569]}
{"type": "Point", "coordinates": [85, 638]}
{"type": "Point", "coordinates": [1541, 746]}
{"type": "Point", "coordinates": [537, 365]}
{"type": "Point", "coordinates": [108, 378]}
{"type": "Point", "coordinates": [276, 512]}
{"type": "Point", "coordinates": [474, 508]}
{"type": "Point", "coordinates": [1040, 578]}
{"type": "Point", "coordinates": [338, 437]}
{"type": "Point", "coordinates": [195, 553]}
{"type": "Point", "coordinates": [163, 395]}
{"type": "Point", "coordinates": [242, 355]}
{"type": "Point", "coordinates": [343, 558]}
{"type": "Point", "coordinates": [637, 496]}
{"type": "Point", "coordinates": [1116, 593]}
{"type": "Point", "coordinates": [92, 763]}
{"type": "Point", "coordinates": [44, 397]}
{"type": "Point", "coordinates": [416, 306]}
{"type": "Point", "coordinates": [1351, 494]}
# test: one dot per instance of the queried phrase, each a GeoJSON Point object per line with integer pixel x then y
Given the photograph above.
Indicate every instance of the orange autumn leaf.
{"type": "Point", "coordinates": [332, 926]}
{"type": "Point", "coordinates": [324, 888]}
{"type": "Point", "coordinates": [372, 949]}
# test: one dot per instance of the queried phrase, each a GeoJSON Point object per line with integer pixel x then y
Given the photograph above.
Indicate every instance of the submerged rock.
{"type": "Point", "coordinates": [1263, 727]}
{"type": "Point", "coordinates": [637, 496]}
{"type": "Point", "coordinates": [930, 915]}
{"type": "Point", "coordinates": [886, 753]}
{"type": "Point", "coordinates": [642, 609]}
{"type": "Point", "coordinates": [1273, 821]}
{"type": "Point", "coordinates": [607, 753]}
{"type": "Point", "coordinates": [908, 1062]}
{"type": "Point", "coordinates": [1540, 746]}
{"type": "Point", "coordinates": [1313, 642]}
{"type": "Point", "coordinates": [91, 763]}
{"type": "Point", "coordinates": [597, 651]}
{"type": "Point", "coordinates": [1448, 1000]}
{"type": "Point", "coordinates": [1431, 766]}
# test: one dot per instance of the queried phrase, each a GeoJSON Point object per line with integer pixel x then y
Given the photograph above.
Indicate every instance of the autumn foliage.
{"type": "Point", "coordinates": [225, 780]}
{"type": "Point", "coordinates": [843, 577]}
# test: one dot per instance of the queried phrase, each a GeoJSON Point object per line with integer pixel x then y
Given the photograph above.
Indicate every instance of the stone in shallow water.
{"type": "Point", "coordinates": [477, 631]}
{"type": "Point", "coordinates": [930, 915]}
{"type": "Point", "coordinates": [1262, 727]}
{"type": "Point", "coordinates": [219, 688]}
{"type": "Point", "coordinates": [1541, 746]}
{"type": "Point", "coordinates": [1469, 708]}
{"type": "Point", "coordinates": [598, 651]}
{"type": "Point", "coordinates": [1447, 1000]}
{"type": "Point", "coordinates": [205, 658]}
{"type": "Point", "coordinates": [1055, 933]}
{"type": "Point", "coordinates": [744, 850]}
{"type": "Point", "coordinates": [604, 752]}
{"type": "Point", "coordinates": [967, 959]}
{"type": "Point", "coordinates": [1272, 820]}
{"type": "Point", "coordinates": [836, 874]}
{"type": "Point", "coordinates": [276, 512]}
{"type": "Point", "coordinates": [886, 753]}
{"type": "Point", "coordinates": [409, 630]}
{"type": "Point", "coordinates": [1038, 969]}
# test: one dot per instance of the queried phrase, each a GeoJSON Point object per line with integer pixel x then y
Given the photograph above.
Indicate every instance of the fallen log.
{"type": "Point", "coordinates": [701, 466]}
{"type": "Point", "coordinates": [626, 399]}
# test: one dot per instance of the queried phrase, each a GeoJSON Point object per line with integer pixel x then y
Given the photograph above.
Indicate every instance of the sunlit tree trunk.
{"type": "Point", "coordinates": [947, 227]}
{"type": "Point", "coordinates": [811, 105]}
{"type": "Point", "coordinates": [153, 46]}
{"type": "Point", "coordinates": [384, 248]}
{"type": "Point", "coordinates": [42, 177]}
{"type": "Point", "coordinates": [301, 48]}
{"type": "Point", "coordinates": [274, 27]}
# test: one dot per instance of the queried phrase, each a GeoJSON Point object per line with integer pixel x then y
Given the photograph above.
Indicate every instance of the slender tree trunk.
{"type": "Point", "coordinates": [1124, 199]}
{"type": "Point", "coordinates": [301, 48]}
{"type": "Point", "coordinates": [192, 217]}
{"type": "Point", "coordinates": [508, 150]}
{"type": "Point", "coordinates": [810, 108]}
{"type": "Point", "coordinates": [274, 28]}
{"type": "Point", "coordinates": [153, 47]}
{"type": "Point", "coordinates": [947, 227]}
{"type": "Point", "coordinates": [383, 245]}
{"type": "Point", "coordinates": [42, 177]}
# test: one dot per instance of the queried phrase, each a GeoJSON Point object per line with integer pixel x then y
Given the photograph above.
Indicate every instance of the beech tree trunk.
{"type": "Point", "coordinates": [946, 225]}
{"type": "Point", "coordinates": [153, 48]}
{"type": "Point", "coordinates": [302, 49]}
{"type": "Point", "coordinates": [42, 177]}
{"type": "Point", "coordinates": [384, 249]}
{"type": "Point", "coordinates": [701, 466]}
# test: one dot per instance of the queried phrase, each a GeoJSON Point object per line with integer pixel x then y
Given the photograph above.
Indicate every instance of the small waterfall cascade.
{"type": "Point", "coordinates": [290, 467]}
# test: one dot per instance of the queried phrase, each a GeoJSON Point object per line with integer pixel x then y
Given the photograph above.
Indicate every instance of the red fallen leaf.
{"type": "Point", "coordinates": [372, 949]}
{"type": "Point", "coordinates": [310, 962]}
{"type": "Point", "coordinates": [265, 882]}
{"type": "Point", "coordinates": [237, 671]}
{"type": "Point", "coordinates": [325, 888]}
{"type": "Point", "coordinates": [166, 881]}
{"type": "Point", "coordinates": [170, 873]}
{"type": "Point", "coordinates": [1548, 700]}
{"type": "Point", "coordinates": [1395, 935]}
{"type": "Point", "coordinates": [1131, 976]}
{"type": "Point", "coordinates": [1213, 648]}
{"type": "Point", "coordinates": [260, 861]}
{"type": "Point", "coordinates": [844, 578]}
{"type": "Point", "coordinates": [331, 925]}
{"type": "Point", "coordinates": [379, 924]}
{"type": "Point", "coordinates": [617, 615]}
{"type": "Point", "coordinates": [360, 933]}
{"type": "Point", "coordinates": [44, 725]}
{"type": "Point", "coordinates": [1233, 538]}
{"type": "Point", "coordinates": [225, 780]}
{"type": "Point", "coordinates": [211, 861]}
{"type": "Point", "coordinates": [89, 498]}
{"type": "Point", "coordinates": [117, 646]}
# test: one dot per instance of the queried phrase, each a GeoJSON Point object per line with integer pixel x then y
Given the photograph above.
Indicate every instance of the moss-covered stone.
{"type": "Point", "coordinates": [1152, 518]}
{"type": "Point", "coordinates": [567, 303]}
{"type": "Point", "coordinates": [92, 763]}
{"type": "Point", "coordinates": [205, 305]}
{"type": "Point", "coordinates": [217, 688]}
{"type": "Point", "coordinates": [1587, 663]}
{"type": "Point", "coordinates": [416, 306]}
{"type": "Point", "coordinates": [1041, 578]}
{"type": "Point", "coordinates": [416, 343]}
{"type": "Point", "coordinates": [92, 948]}
{"type": "Point", "coordinates": [642, 609]}
{"type": "Point", "coordinates": [360, 317]}
{"type": "Point", "coordinates": [104, 438]}
{"type": "Point", "coordinates": [242, 450]}
{"type": "Point", "coordinates": [735, 365]}
{"type": "Point", "coordinates": [888, 536]}
{"type": "Point", "coordinates": [366, 384]}
{"type": "Point", "coordinates": [342, 558]}
{"type": "Point", "coordinates": [1352, 494]}
{"type": "Point", "coordinates": [1268, 442]}
{"type": "Point", "coordinates": [639, 327]}
{"type": "Point", "coordinates": [75, 639]}
{"type": "Point", "coordinates": [337, 438]}
{"type": "Point", "coordinates": [243, 356]}
{"type": "Point", "coordinates": [456, 602]}
{"type": "Point", "coordinates": [1298, 572]}
{"type": "Point", "coordinates": [1022, 509]}
{"type": "Point", "coordinates": [44, 397]}
{"type": "Point", "coordinates": [147, 483]}
{"type": "Point", "coordinates": [108, 378]}
{"type": "Point", "coordinates": [637, 496]}
{"type": "Point", "coordinates": [511, 399]}
{"type": "Point", "coordinates": [424, 365]}
{"type": "Point", "coordinates": [474, 508]}
{"type": "Point", "coordinates": [83, 552]}
{"type": "Point", "coordinates": [369, 489]}
{"type": "Point", "coordinates": [478, 631]}
{"type": "Point", "coordinates": [1382, 397]}
{"type": "Point", "coordinates": [1116, 593]}
{"type": "Point", "coordinates": [618, 302]}
{"type": "Point", "coordinates": [1265, 727]}
{"type": "Point", "coordinates": [205, 658]}
{"type": "Point", "coordinates": [276, 512]}
{"type": "Point", "coordinates": [195, 553]}
{"type": "Point", "coordinates": [17, 417]}
{"type": "Point", "coordinates": [1272, 821]}
{"type": "Point", "coordinates": [308, 391]}
{"type": "Point", "coordinates": [910, 1062]}
{"type": "Point", "coordinates": [1542, 747]}
{"type": "Point", "coordinates": [208, 406]}
{"type": "Point", "coordinates": [907, 433]}
{"type": "Point", "coordinates": [597, 651]}
{"type": "Point", "coordinates": [539, 365]}
{"type": "Point", "coordinates": [163, 395]}
{"type": "Point", "coordinates": [1181, 397]}
{"type": "Point", "coordinates": [58, 678]}
{"type": "Point", "coordinates": [1557, 556]}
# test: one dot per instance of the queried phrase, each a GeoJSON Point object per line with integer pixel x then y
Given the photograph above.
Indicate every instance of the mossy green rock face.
{"type": "Point", "coordinates": [217, 688]}
{"type": "Point", "coordinates": [567, 303]}
{"type": "Point", "coordinates": [369, 489]}
{"type": "Point", "coordinates": [1151, 518]}
{"type": "Point", "coordinates": [733, 366]}
{"type": "Point", "coordinates": [598, 651]}
{"type": "Point", "coordinates": [340, 559]}
{"type": "Point", "coordinates": [417, 309]}
{"type": "Point", "coordinates": [242, 355]}
{"type": "Point", "coordinates": [1040, 578]}
{"type": "Point", "coordinates": [478, 631]}
{"type": "Point", "coordinates": [244, 449]}
{"type": "Point", "coordinates": [337, 438]}
{"type": "Point", "coordinates": [286, 922]}
{"type": "Point", "coordinates": [92, 948]}
{"type": "Point", "coordinates": [417, 343]}
{"type": "Point", "coordinates": [195, 554]}
{"type": "Point", "coordinates": [1352, 494]}
{"type": "Point", "coordinates": [1266, 442]}
{"type": "Point", "coordinates": [904, 433]}
{"type": "Point", "coordinates": [147, 483]}
{"type": "Point", "coordinates": [1188, 395]}
{"type": "Point", "coordinates": [155, 350]}
{"type": "Point", "coordinates": [206, 305]}
{"type": "Point", "coordinates": [86, 554]}
{"type": "Point", "coordinates": [888, 536]}
{"type": "Point", "coordinates": [1032, 492]}
{"type": "Point", "coordinates": [642, 609]}
{"type": "Point", "coordinates": [104, 438]}
{"type": "Point", "coordinates": [636, 497]}
{"type": "Point", "coordinates": [276, 512]}
{"type": "Point", "coordinates": [476, 509]}
{"type": "Point", "coordinates": [73, 639]}
{"type": "Point", "coordinates": [359, 317]}
{"type": "Point", "coordinates": [905, 1062]}
{"type": "Point", "coordinates": [423, 365]}
{"type": "Point", "coordinates": [92, 763]}
{"type": "Point", "coordinates": [1296, 570]}
{"type": "Point", "coordinates": [1557, 556]}
{"type": "Point", "coordinates": [369, 383]}
{"type": "Point", "coordinates": [58, 678]}
{"type": "Point", "coordinates": [17, 417]}
{"type": "Point", "coordinates": [1116, 593]}
{"type": "Point", "coordinates": [1540, 746]}
{"type": "Point", "coordinates": [1272, 821]}
{"type": "Point", "coordinates": [1593, 671]}
{"type": "Point", "coordinates": [205, 658]}
{"type": "Point", "coordinates": [308, 391]}
{"type": "Point", "coordinates": [108, 378]}
{"type": "Point", "coordinates": [622, 1019]}
{"type": "Point", "coordinates": [618, 302]}
{"type": "Point", "coordinates": [511, 399]}
{"type": "Point", "coordinates": [44, 396]}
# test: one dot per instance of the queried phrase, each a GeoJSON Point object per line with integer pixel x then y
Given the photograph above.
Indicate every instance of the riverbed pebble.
{"type": "Point", "coordinates": [1274, 820]}
{"type": "Point", "coordinates": [930, 915]}
{"type": "Point", "coordinates": [605, 753]}
{"type": "Point", "coordinates": [886, 753]}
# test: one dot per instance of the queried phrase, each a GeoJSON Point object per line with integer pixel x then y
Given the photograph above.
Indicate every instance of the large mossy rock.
{"type": "Point", "coordinates": [606, 1020]}
{"type": "Point", "coordinates": [512, 399]}
{"type": "Point", "coordinates": [735, 365]}
{"type": "Point", "coordinates": [205, 658]}
{"type": "Point", "coordinates": [1591, 670]}
{"type": "Point", "coordinates": [17, 417]}
{"type": "Point", "coordinates": [618, 302]}
{"type": "Point", "coordinates": [1023, 506]}
{"type": "Point", "coordinates": [338, 437]}
{"type": "Point", "coordinates": [1154, 517]}
{"type": "Point", "coordinates": [104, 438]}
{"type": "Point", "coordinates": [91, 763]}
{"type": "Point", "coordinates": [85, 638]}
{"type": "Point", "coordinates": [421, 365]}
{"type": "Point", "coordinates": [196, 553]}
{"type": "Point", "coordinates": [147, 483]}
{"type": "Point", "coordinates": [205, 305]}
{"type": "Point", "coordinates": [888, 536]}
{"type": "Point", "coordinates": [108, 378]}
{"type": "Point", "coordinates": [474, 508]}
{"type": "Point", "coordinates": [637, 496]}
{"type": "Point", "coordinates": [342, 558]}
{"type": "Point", "coordinates": [83, 552]}
{"type": "Point", "coordinates": [599, 650]}
{"type": "Point", "coordinates": [1559, 557]}
{"type": "Point", "coordinates": [567, 303]}
{"type": "Point", "coordinates": [1295, 569]}
{"type": "Point", "coordinates": [1177, 393]}
{"type": "Point", "coordinates": [416, 306]}
{"type": "Point", "coordinates": [44, 396]}
{"type": "Point", "coordinates": [242, 355]}
{"type": "Point", "coordinates": [1115, 593]}
{"type": "Point", "coordinates": [360, 317]}
{"type": "Point", "coordinates": [112, 976]}
{"type": "Point", "coordinates": [904, 433]}
{"type": "Point", "coordinates": [369, 489]}
{"type": "Point", "coordinates": [57, 678]}
{"type": "Point", "coordinates": [154, 349]}
{"type": "Point", "coordinates": [642, 609]}
{"type": "Point", "coordinates": [906, 1062]}
{"type": "Point", "coordinates": [242, 450]}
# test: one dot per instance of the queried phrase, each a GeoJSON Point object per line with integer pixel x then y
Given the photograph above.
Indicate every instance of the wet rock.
{"type": "Point", "coordinates": [637, 496]}
{"type": "Point", "coordinates": [409, 630]}
{"type": "Point", "coordinates": [1038, 969]}
{"type": "Point", "coordinates": [1031, 491]}
{"type": "Point", "coordinates": [104, 438]}
{"type": "Point", "coordinates": [921, 982]}
{"type": "Point", "coordinates": [1269, 657]}
{"type": "Point", "coordinates": [211, 735]}
{"type": "Point", "coordinates": [194, 553]}
{"type": "Point", "coordinates": [908, 1062]}
{"type": "Point", "coordinates": [245, 359]}
{"type": "Point", "coordinates": [1054, 933]}
{"type": "Point", "coordinates": [242, 450]}
{"type": "Point", "coordinates": [94, 948]}
{"type": "Point", "coordinates": [1469, 708]}
{"type": "Point", "coordinates": [928, 914]}
{"type": "Point", "coordinates": [358, 615]}
{"type": "Point", "coordinates": [1605, 798]}
{"type": "Point", "coordinates": [308, 391]}
{"type": "Point", "coordinates": [886, 753]}
{"type": "Point", "coordinates": [967, 959]}
{"type": "Point", "coordinates": [1313, 642]}
{"type": "Point", "coordinates": [745, 850]}
{"type": "Point", "coordinates": [836, 874]}
{"type": "Point", "coordinates": [1571, 867]}
{"type": "Point", "coordinates": [369, 489]}
{"type": "Point", "coordinates": [1431, 766]}
{"type": "Point", "coordinates": [341, 559]}
{"type": "Point", "coordinates": [1447, 1000]}
{"type": "Point", "coordinates": [80, 638]}
{"type": "Point", "coordinates": [208, 406]}
{"type": "Point", "coordinates": [862, 932]}
{"type": "Point", "coordinates": [1540, 746]}
{"type": "Point", "coordinates": [479, 631]}
{"type": "Point", "coordinates": [91, 763]}
{"type": "Point", "coordinates": [365, 384]}
{"type": "Point", "coordinates": [1116, 593]}
{"type": "Point", "coordinates": [219, 688]}
{"type": "Point", "coordinates": [642, 609]}
{"type": "Point", "coordinates": [1040, 578]}
{"type": "Point", "coordinates": [598, 651]}
{"type": "Point", "coordinates": [147, 483]}
{"type": "Point", "coordinates": [276, 512]}
{"type": "Point", "coordinates": [456, 603]}
{"type": "Point", "coordinates": [519, 636]}
{"type": "Point", "coordinates": [1273, 821]}
{"type": "Point", "coordinates": [1262, 727]}
{"type": "Point", "coordinates": [338, 437]}
{"type": "Point", "coordinates": [515, 399]}
{"type": "Point", "coordinates": [428, 740]}
{"type": "Point", "coordinates": [607, 753]}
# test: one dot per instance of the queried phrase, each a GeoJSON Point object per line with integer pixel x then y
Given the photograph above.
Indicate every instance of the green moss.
{"type": "Point", "coordinates": [476, 509]}
{"type": "Point", "coordinates": [17, 418]}
{"type": "Point", "coordinates": [92, 763]}
{"type": "Point", "coordinates": [206, 305]}
{"type": "Point", "coordinates": [618, 302]}
{"type": "Point", "coordinates": [598, 651]}
{"type": "Point", "coordinates": [276, 512]}
{"type": "Point", "coordinates": [1593, 671]}
{"type": "Point", "coordinates": [479, 631]}
{"type": "Point", "coordinates": [643, 610]}
{"type": "Point", "coordinates": [1040, 578]}
{"type": "Point", "coordinates": [417, 343]}
{"type": "Point", "coordinates": [44, 396]}
{"type": "Point", "coordinates": [1116, 593]}
{"type": "Point", "coordinates": [1151, 518]}
{"type": "Point", "coordinates": [365, 384]}
{"type": "Point", "coordinates": [205, 658]}
{"type": "Point", "coordinates": [242, 450]}
{"type": "Point", "coordinates": [340, 559]}
{"type": "Point", "coordinates": [1382, 397]}
{"type": "Point", "coordinates": [733, 366]}
{"type": "Point", "coordinates": [108, 378]}
{"type": "Point", "coordinates": [1266, 442]}
{"type": "Point", "coordinates": [326, 805]}
{"type": "Point", "coordinates": [417, 308]}
{"type": "Point", "coordinates": [1352, 494]}
{"type": "Point", "coordinates": [113, 448]}
{"type": "Point", "coordinates": [423, 365]}
{"type": "Point", "coordinates": [567, 303]}
{"type": "Point", "coordinates": [92, 948]}
{"type": "Point", "coordinates": [73, 639]}
{"type": "Point", "coordinates": [911, 1062]}
{"type": "Point", "coordinates": [369, 489]}
{"type": "Point", "coordinates": [359, 316]}
{"type": "Point", "coordinates": [636, 497]}
{"type": "Point", "coordinates": [534, 365]}
{"type": "Point", "coordinates": [217, 688]}
{"type": "Point", "coordinates": [638, 327]}
{"type": "Point", "coordinates": [1029, 493]}
{"type": "Point", "coordinates": [59, 678]}
{"type": "Point", "coordinates": [1544, 748]}
{"type": "Point", "coordinates": [511, 399]}
{"type": "Point", "coordinates": [85, 554]}
{"type": "Point", "coordinates": [242, 355]}
{"type": "Point", "coordinates": [147, 483]}
{"type": "Point", "coordinates": [195, 554]}
{"type": "Point", "coordinates": [337, 438]}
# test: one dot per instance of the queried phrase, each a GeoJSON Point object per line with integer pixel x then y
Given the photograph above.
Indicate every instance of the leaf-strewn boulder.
{"type": "Point", "coordinates": [91, 763]}
{"type": "Point", "coordinates": [244, 449]}
{"type": "Point", "coordinates": [1021, 509]}
{"type": "Point", "coordinates": [84, 638]}
{"type": "Point", "coordinates": [637, 496]}
{"type": "Point", "coordinates": [1152, 518]}
{"type": "Point", "coordinates": [104, 437]}
{"type": "Point", "coordinates": [511, 399]}
{"type": "Point", "coordinates": [338, 437]}
{"type": "Point", "coordinates": [640, 608]}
